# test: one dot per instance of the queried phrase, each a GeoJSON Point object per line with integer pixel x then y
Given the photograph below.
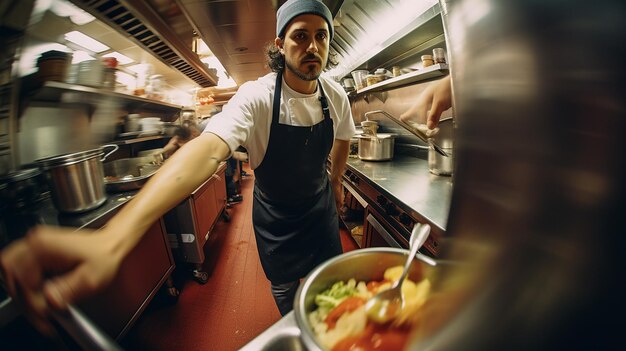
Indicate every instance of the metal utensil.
{"type": "Point", "coordinates": [87, 335]}
{"type": "Point", "coordinates": [83, 331]}
{"type": "Point", "coordinates": [387, 304]}
{"type": "Point", "coordinates": [418, 133]}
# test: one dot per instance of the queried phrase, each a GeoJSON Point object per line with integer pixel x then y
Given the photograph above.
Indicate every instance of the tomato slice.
{"type": "Point", "coordinates": [348, 305]}
{"type": "Point", "coordinates": [373, 286]}
{"type": "Point", "coordinates": [375, 338]}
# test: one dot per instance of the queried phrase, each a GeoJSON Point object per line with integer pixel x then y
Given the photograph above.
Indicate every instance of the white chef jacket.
{"type": "Point", "coordinates": [247, 118]}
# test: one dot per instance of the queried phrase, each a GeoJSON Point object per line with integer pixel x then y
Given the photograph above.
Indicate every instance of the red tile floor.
{"type": "Point", "coordinates": [232, 308]}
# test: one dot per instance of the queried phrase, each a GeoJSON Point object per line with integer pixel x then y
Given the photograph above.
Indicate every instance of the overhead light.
{"type": "Point", "coordinates": [224, 79]}
{"type": "Point", "coordinates": [200, 47]}
{"type": "Point", "coordinates": [85, 41]}
{"type": "Point", "coordinates": [129, 80]}
{"type": "Point", "coordinates": [67, 9]}
{"type": "Point", "coordinates": [141, 68]}
{"type": "Point", "coordinates": [121, 59]}
{"type": "Point", "coordinates": [80, 56]}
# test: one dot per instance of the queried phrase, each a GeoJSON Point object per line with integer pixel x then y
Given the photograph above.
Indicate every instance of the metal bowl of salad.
{"type": "Point", "coordinates": [329, 304]}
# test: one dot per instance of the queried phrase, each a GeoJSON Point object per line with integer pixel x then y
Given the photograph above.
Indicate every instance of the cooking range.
{"type": "Point", "coordinates": [386, 220]}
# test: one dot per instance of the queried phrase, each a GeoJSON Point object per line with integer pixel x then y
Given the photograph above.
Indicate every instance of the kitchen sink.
{"type": "Point", "coordinates": [287, 339]}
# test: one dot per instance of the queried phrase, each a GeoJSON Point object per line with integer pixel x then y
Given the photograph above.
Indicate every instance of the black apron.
{"type": "Point", "coordinates": [294, 213]}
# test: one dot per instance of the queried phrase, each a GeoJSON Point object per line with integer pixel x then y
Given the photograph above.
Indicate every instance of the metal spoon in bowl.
{"type": "Point", "coordinates": [387, 304]}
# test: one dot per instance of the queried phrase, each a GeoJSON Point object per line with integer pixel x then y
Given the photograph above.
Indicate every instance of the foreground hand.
{"type": "Point", "coordinates": [433, 101]}
{"type": "Point", "coordinates": [53, 267]}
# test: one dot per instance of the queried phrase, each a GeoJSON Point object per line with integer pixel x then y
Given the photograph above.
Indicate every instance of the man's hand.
{"type": "Point", "coordinates": [339, 195]}
{"type": "Point", "coordinates": [338, 158]}
{"type": "Point", "coordinates": [433, 101]}
{"type": "Point", "coordinates": [53, 267]}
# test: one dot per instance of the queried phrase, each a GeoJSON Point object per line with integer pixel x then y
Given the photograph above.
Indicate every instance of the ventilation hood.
{"type": "Point", "coordinates": [370, 34]}
{"type": "Point", "coordinates": [144, 25]}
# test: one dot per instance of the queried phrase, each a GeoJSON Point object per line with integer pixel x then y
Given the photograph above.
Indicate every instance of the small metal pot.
{"type": "Point", "coordinates": [376, 148]}
{"type": "Point", "coordinates": [437, 163]}
{"type": "Point", "coordinates": [76, 180]}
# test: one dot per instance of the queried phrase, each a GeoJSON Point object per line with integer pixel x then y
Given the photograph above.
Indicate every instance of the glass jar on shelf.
{"type": "Point", "coordinates": [439, 55]}
{"type": "Point", "coordinates": [427, 61]}
{"type": "Point", "coordinates": [154, 88]}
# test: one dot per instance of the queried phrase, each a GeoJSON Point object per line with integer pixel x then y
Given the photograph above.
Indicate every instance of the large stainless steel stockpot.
{"type": "Point", "coordinates": [376, 148]}
{"type": "Point", "coordinates": [76, 180]}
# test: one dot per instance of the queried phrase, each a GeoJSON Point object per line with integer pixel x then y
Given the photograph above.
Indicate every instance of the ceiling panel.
{"type": "Point", "coordinates": [228, 25]}
{"type": "Point", "coordinates": [250, 46]}
{"type": "Point", "coordinates": [260, 31]}
{"type": "Point", "coordinates": [240, 59]}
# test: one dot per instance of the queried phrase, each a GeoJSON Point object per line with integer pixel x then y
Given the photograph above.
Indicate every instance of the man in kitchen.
{"type": "Point", "coordinates": [290, 121]}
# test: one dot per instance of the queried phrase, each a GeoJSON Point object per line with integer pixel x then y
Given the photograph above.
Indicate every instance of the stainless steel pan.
{"type": "Point", "coordinates": [128, 174]}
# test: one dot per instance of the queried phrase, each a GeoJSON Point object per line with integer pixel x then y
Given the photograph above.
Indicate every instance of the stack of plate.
{"type": "Point", "coordinates": [151, 125]}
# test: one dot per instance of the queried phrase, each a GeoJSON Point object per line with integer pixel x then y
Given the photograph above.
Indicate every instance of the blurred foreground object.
{"type": "Point", "coordinates": [536, 212]}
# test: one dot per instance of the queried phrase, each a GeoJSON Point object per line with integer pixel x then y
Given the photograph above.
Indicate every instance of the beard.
{"type": "Point", "coordinates": [312, 73]}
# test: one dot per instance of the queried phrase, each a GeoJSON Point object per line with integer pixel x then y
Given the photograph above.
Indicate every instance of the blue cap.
{"type": "Point", "coordinates": [293, 8]}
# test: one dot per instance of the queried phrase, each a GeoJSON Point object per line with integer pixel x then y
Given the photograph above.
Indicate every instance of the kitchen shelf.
{"type": "Point", "coordinates": [52, 91]}
{"type": "Point", "coordinates": [139, 140]}
{"type": "Point", "coordinates": [434, 71]}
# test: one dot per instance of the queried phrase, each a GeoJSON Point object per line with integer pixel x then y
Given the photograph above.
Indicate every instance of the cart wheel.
{"type": "Point", "coordinates": [200, 276]}
{"type": "Point", "coordinates": [168, 295]}
{"type": "Point", "coordinates": [172, 291]}
{"type": "Point", "coordinates": [172, 295]}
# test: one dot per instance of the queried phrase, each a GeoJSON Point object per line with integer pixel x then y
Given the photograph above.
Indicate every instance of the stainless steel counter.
{"type": "Point", "coordinates": [91, 219]}
{"type": "Point", "coordinates": [407, 180]}
{"type": "Point", "coordinates": [282, 335]}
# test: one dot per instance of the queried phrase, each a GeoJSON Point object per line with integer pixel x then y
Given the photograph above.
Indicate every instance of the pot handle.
{"type": "Point", "coordinates": [115, 147]}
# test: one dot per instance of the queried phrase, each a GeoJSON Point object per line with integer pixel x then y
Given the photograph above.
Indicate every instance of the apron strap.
{"type": "Point", "coordinates": [277, 95]}
{"type": "Point", "coordinates": [324, 101]}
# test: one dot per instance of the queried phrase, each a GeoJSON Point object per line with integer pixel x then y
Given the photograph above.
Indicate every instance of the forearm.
{"type": "Point", "coordinates": [171, 146]}
{"type": "Point", "coordinates": [338, 159]}
{"type": "Point", "coordinates": [176, 179]}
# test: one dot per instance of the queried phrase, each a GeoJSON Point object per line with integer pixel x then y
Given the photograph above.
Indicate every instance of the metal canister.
{"type": "Point", "coordinates": [437, 163]}
{"type": "Point", "coordinates": [439, 55]}
{"type": "Point", "coordinates": [395, 71]}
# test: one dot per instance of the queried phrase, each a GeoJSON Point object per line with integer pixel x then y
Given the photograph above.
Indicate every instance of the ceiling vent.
{"type": "Point", "coordinates": [145, 27]}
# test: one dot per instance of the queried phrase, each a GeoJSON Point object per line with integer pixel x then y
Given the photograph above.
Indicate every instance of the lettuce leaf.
{"type": "Point", "coordinates": [338, 292]}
